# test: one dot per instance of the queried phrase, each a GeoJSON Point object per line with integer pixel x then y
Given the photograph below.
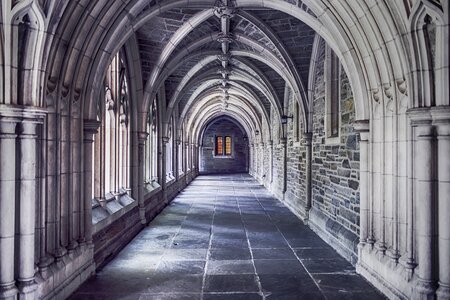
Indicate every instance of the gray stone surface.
{"type": "Point", "coordinates": [226, 237]}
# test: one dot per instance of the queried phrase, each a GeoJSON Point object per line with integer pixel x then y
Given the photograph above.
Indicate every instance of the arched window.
{"type": "Point", "coordinates": [223, 145]}
{"type": "Point", "coordinates": [111, 163]}
{"type": "Point", "coordinates": [332, 93]}
{"type": "Point", "coordinates": [151, 152]}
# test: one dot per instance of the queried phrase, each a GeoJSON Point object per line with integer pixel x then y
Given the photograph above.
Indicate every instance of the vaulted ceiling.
{"type": "Point", "coordinates": [225, 59]}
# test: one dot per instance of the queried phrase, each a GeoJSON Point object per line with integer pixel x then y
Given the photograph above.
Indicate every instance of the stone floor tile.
{"type": "Point", "coordinates": [208, 242]}
{"type": "Point", "coordinates": [176, 267]}
{"type": "Point", "coordinates": [169, 283]}
{"type": "Point", "coordinates": [338, 264]}
{"type": "Point", "coordinates": [271, 266]}
{"type": "Point", "coordinates": [227, 267]}
{"type": "Point", "coordinates": [230, 254]}
{"type": "Point", "coordinates": [288, 284]}
{"type": "Point", "coordinates": [232, 296]}
{"type": "Point", "coordinates": [170, 296]}
{"type": "Point", "coordinates": [316, 253]}
{"type": "Point", "coordinates": [185, 254]}
{"type": "Point", "coordinates": [270, 253]}
{"type": "Point", "coordinates": [229, 243]}
{"type": "Point", "coordinates": [231, 283]}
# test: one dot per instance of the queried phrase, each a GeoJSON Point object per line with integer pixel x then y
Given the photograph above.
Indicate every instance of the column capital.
{"type": "Point", "coordinates": [420, 116]}
{"type": "Point", "coordinates": [91, 126]}
{"type": "Point", "coordinates": [441, 119]}
{"type": "Point", "coordinates": [283, 141]}
{"type": "Point", "coordinates": [270, 143]}
{"type": "Point", "coordinates": [363, 128]}
{"type": "Point", "coordinates": [142, 137]}
{"type": "Point", "coordinates": [15, 113]}
{"type": "Point", "coordinates": [165, 139]}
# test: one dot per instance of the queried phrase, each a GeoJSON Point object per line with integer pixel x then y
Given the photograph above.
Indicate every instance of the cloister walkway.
{"type": "Point", "coordinates": [226, 237]}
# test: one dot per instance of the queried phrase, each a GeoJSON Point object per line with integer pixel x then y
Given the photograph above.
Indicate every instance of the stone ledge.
{"type": "Point", "coordinates": [389, 288]}
{"type": "Point", "coordinates": [113, 217]}
{"type": "Point", "coordinates": [337, 236]}
{"type": "Point", "coordinates": [57, 285]}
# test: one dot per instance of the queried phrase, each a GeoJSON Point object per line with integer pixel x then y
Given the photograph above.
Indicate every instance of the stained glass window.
{"type": "Point", "coordinates": [219, 145]}
{"type": "Point", "coordinates": [228, 145]}
{"type": "Point", "coordinates": [223, 145]}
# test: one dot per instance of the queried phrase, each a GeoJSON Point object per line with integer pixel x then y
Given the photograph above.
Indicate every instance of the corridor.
{"type": "Point", "coordinates": [226, 237]}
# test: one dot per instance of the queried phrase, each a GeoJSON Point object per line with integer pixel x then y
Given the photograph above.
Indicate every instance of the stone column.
{"type": "Point", "coordinates": [270, 144]}
{"type": "Point", "coordinates": [90, 129]}
{"type": "Point", "coordinates": [8, 136]}
{"type": "Point", "coordinates": [283, 142]}
{"type": "Point", "coordinates": [27, 201]}
{"type": "Point", "coordinates": [196, 156]}
{"type": "Point", "coordinates": [142, 139]}
{"type": "Point", "coordinates": [164, 140]}
{"type": "Point", "coordinates": [423, 198]}
{"type": "Point", "coordinates": [176, 153]}
{"type": "Point", "coordinates": [186, 157]}
{"type": "Point", "coordinates": [443, 136]}
{"type": "Point", "coordinates": [261, 160]}
{"type": "Point", "coordinates": [308, 144]}
{"type": "Point", "coordinates": [363, 128]}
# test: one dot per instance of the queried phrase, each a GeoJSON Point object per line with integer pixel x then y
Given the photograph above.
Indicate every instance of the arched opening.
{"type": "Point", "coordinates": [223, 147]}
{"type": "Point", "coordinates": [339, 108]}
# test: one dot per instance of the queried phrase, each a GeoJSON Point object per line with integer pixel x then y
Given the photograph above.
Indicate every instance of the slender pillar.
{"type": "Point", "coordinates": [271, 162]}
{"type": "Point", "coordinates": [164, 140]}
{"type": "Point", "coordinates": [90, 129]}
{"type": "Point", "coordinates": [443, 136]}
{"type": "Point", "coordinates": [283, 142]}
{"type": "Point", "coordinates": [308, 144]}
{"type": "Point", "coordinates": [363, 128]}
{"type": "Point", "coordinates": [186, 157]}
{"type": "Point", "coordinates": [74, 185]}
{"type": "Point", "coordinates": [142, 139]}
{"type": "Point", "coordinates": [27, 201]}
{"type": "Point", "coordinates": [176, 151]}
{"type": "Point", "coordinates": [261, 160]}
{"type": "Point", "coordinates": [424, 208]}
{"type": "Point", "coordinates": [8, 136]}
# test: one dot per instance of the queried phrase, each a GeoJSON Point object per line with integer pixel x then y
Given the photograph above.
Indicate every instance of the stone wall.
{"type": "Point", "coordinates": [335, 167]}
{"type": "Point", "coordinates": [295, 195]}
{"type": "Point", "coordinates": [335, 170]}
{"type": "Point", "coordinates": [235, 163]}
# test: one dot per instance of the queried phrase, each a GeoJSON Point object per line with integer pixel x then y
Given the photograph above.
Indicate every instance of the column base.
{"type": "Point", "coordinates": [381, 248]}
{"type": "Point", "coordinates": [393, 257]}
{"type": "Point", "coordinates": [27, 289]}
{"type": "Point", "coordinates": [8, 292]}
{"type": "Point", "coordinates": [443, 292]}
{"type": "Point", "coordinates": [72, 246]}
{"type": "Point", "coordinates": [142, 215]}
{"type": "Point", "coordinates": [44, 265]}
{"type": "Point", "coordinates": [425, 290]}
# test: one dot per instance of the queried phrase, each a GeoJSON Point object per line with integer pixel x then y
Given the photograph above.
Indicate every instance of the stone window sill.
{"type": "Point", "coordinates": [151, 188]}
{"type": "Point", "coordinates": [112, 208]}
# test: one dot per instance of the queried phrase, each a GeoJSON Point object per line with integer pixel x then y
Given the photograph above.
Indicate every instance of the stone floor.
{"type": "Point", "coordinates": [225, 237]}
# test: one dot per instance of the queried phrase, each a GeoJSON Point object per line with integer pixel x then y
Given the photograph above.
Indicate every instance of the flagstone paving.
{"type": "Point", "coordinates": [226, 237]}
